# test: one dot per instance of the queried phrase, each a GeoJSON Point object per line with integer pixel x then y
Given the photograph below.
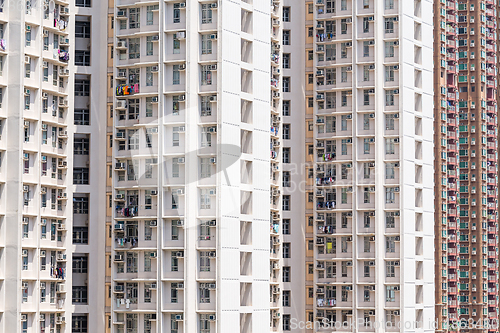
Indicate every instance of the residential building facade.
{"type": "Point", "coordinates": [51, 197]}
{"type": "Point", "coordinates": [367, 164]}
{"type": "Point", "coordinates": [465, 87]}
{"type": "Point", "coordinates": [193, 189]}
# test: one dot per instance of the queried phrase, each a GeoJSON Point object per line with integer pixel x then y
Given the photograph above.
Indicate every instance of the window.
{"type": "Point", "coordinates": [204, 293]}
{"type": "Point", "coordinates": [286, 274]}
{"type": "Point", "coordinates": [389, 170]}
{"type": "Point", "coordinates": [366, 25]}
{"type": "Point", "coordinates": [82, 117]}
{"type": "Point", "coordinates": [79, 294]}
{"type": "Point", "coordinates": [286, 178]}
{"type": "Point", "coordinates": [134, 18]}
{"type": "Point", "coordinates": [83, 3]}
{"type": "Point", "coordinates": [366, 269]}
{"type": "Point", "coordinates": [389, 4]}
{"type": "Point", "coordinates": [286, 84]}
{"type": "Point", "coordinates": [82, 29]}
{"type": "Point", "coordinates": [206, 106]}
{"type": "Point", "coordinates": [286, 322]}
{"type": "Point", "coordinates": [79, 323]}
{"type": "Point", "coordinates": [286, 250]}
{"type": "Point", "coordinates": [390, 294]}
{"type": "Point", "coordinates": [204, 323]}
{"type": "Point", "coordinates": [389, 49]}
{"type": "Point", "coordinates": [205, 202]}
{"type": "Point", "coordinates": [389, 98]}
{"type": "Point", "coordinates": [206, 75]}
{"type": "Point", "coordinates": [149, 105]}
{"type": "Point", "coordinates": [80, 205]}
{"type": "Point", "coordinates": [133, 139]}
{"type": "Point", "coordinates": [286, 202]}
{"type": "Point", "coordinates": [149, 45]}
{"type": "Point", "coordinates": [204, 261]}
{"type": "Point", "coordinates": [286, 226]}
{"type": "Point", "coordinates": [80, 235]}
{"type": "Point", "coordinates": [389, 73]}
{"type": "Point", "coordinates": [286, 60]}
{"type": "Point", "coordinates": [175, 139]}
{"type": "Point", "coordinates": [389, 25]}
{"type": "Point", "coordinates": [81, 146]}
{"type": "Point", "coordinates": [286, 131]}
{"type": "Point", "coordinates": [286, 155]}
{"type": "Point", "coordinates": [176, 14]}
{"type": "Point", "coordinates": [150, 14]}
{"type": "Point", "coordinates": [390, 270]}
{"type": "Point", "coordinates": [82, 87]}
{"type": "Point", "coordinates": [286, 108]}
{"type": "Point", "coordinates": [80, 264]}
{"type": "Point", "coordinates": [390, 244]}
{"type": "Point", "coordinates": [206, 13]}
{"type": "Point", "coordinates": [389, 195]}
{"type": "Point", "coordinates": [389, 121]}
{"type": "Point", "coordinates": [286, 37]}
{"type": "Point", "coordinates": [389, 220]}
{"type": "Point", "coordinates": [389, 146]}
{"type": "Point", "coordinates": [206, 44]}
{"type": "Point", "coordinates": [81, 176]}
{"type": "Point", "coordinates": [176, 45]}
{"type": "Point", "coordinates": [205, 168]}
{"type": "Point", "coordinates": [175, 168]}
{"type": "Point", "coordinates": [82, 58]}
{"type": "Point", "coordinates": [286, 14]}
{"type": "Point", "coordinates": [149, 76]}
{"type": "Point", "coordinates": [134, 48]}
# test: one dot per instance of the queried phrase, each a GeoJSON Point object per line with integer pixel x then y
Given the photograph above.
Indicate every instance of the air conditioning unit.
{"type": "Point", "coordinates": [179, 191]}
{"type": "Point", "coordinates": [119, 288]}
{"type": "Point", "coordinates": [372, 238]}
{"type": "Point", "coordinates": [61, 256]}
{"type": "Point", "coordinates": [211, 317]}
{"type": "Point", "coordinates": [24, 285]}
{"type": "Point", "coordinates": [26, 188]}
{"type": "Point", "coordinates": [211, 286]}
{"type": "Point", "coordinates": [179, 254]}
{"type": "Point", "coordinates": [24, 317]}
{"type": "Point", "coordinates": [349, 68]}
{"type": "Point", "coordinates": [122, 74]}
{"type": "Point", "coordinates": [213, 98]}
{"type": "Point", "coordinates": [153, 286]}
{"type": "Point", "coordinates": [212, 254]}
{"type": "Point", "coordinates": [121, 104]}
{"type": "Point", "coordinates": [182, 67]}
{"type": "Point", "coordinates": [212, 223]}
{"type": "Point", "coordinates": [178, 317]}
{"type": "Point", "coordinates": [371, 313]}
{"type": "Point", "coordinates": [153, 254]}
{"type": "Point", "coordinates": [45, 95]}
{"type": "Point", "coordinates": [349, 263]}
{"type": "Point", "coordinates": [43, 190]}
{"type": "Point", "coordinates": [396, 115]}
{"type": "Point", "coordinates": [182, 5]}
{"type": "Point", "coordinates": [181, 160]}
{"type": "Point", "coordinates": [42, 315]}
{"type": "Point", "coordinates": [212, 191]}
{"type": "Point", "coordinates": [119, 226]}
{"type": "Point", "coordinates": [212, 129]}
{"type": "Point", "coordinates": [180, 285]}
{"type": "Point", "coordinates": [43, 221]}
{"type": "Point", "coordinates": [213, 160]}
{"type": "Point", "coordinates": [26, 220]}
{"type": "Point", "coordinates": [120, 196]}
{"type": "Point", "coordinates": [26, 93]}
{"type": "Point", "coordinates": [154, 192]}
{"type": "Point", "coordinates": [118, 257]}
{"type": "Point", "coordinates": [120, 166]}
{"type": "Point", "coordinates": [397, 288]}
{"type": "Point", "coordinates": [153, 223]}
{"type": "Point", "coordinates": [349, 238]}
{"type": "Point", "coordinates": [155, 38]}
{"type": "Point", "coordinates": [42, 253]}
{"type": "Point", "coordinates": [180, 35]}
{"type": "Point", "coordinates": [397, 263]}
{"type": "Point", "coordinates": [182, 98]}
{"type": "Point", "coordinates": [121, 13]}
{"type": "Point", "coordinates": [397, 238]}
{"type": "Point", "coordinates": [66, 10]}
{"type": "Point", "coordinates": [25, 253]}
{"type": "Point", "coordinates": [45, 64]}
{"type": "Point", "coordinates": [179, 223]}
{"type": "Point", "coordinates": [213, 5]}
{"type": "Point", "coordinates": [213, 36]}
{"type": "Point", "coordinates": [348, 116]}
{"type": "Point", "coordinates": [121, 45]}
{"type": "Point", "coordinates": [213, 67]}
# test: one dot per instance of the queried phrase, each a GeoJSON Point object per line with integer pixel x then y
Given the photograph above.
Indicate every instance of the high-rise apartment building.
{"type": "Point", "coordinates": [354, 87]}
{"type": "Point", "coordinates": [51, 197]}
{"type": "Point", "coordinates": [465, 87]}
{"type": "Point", "coordinates": [196, 198]}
